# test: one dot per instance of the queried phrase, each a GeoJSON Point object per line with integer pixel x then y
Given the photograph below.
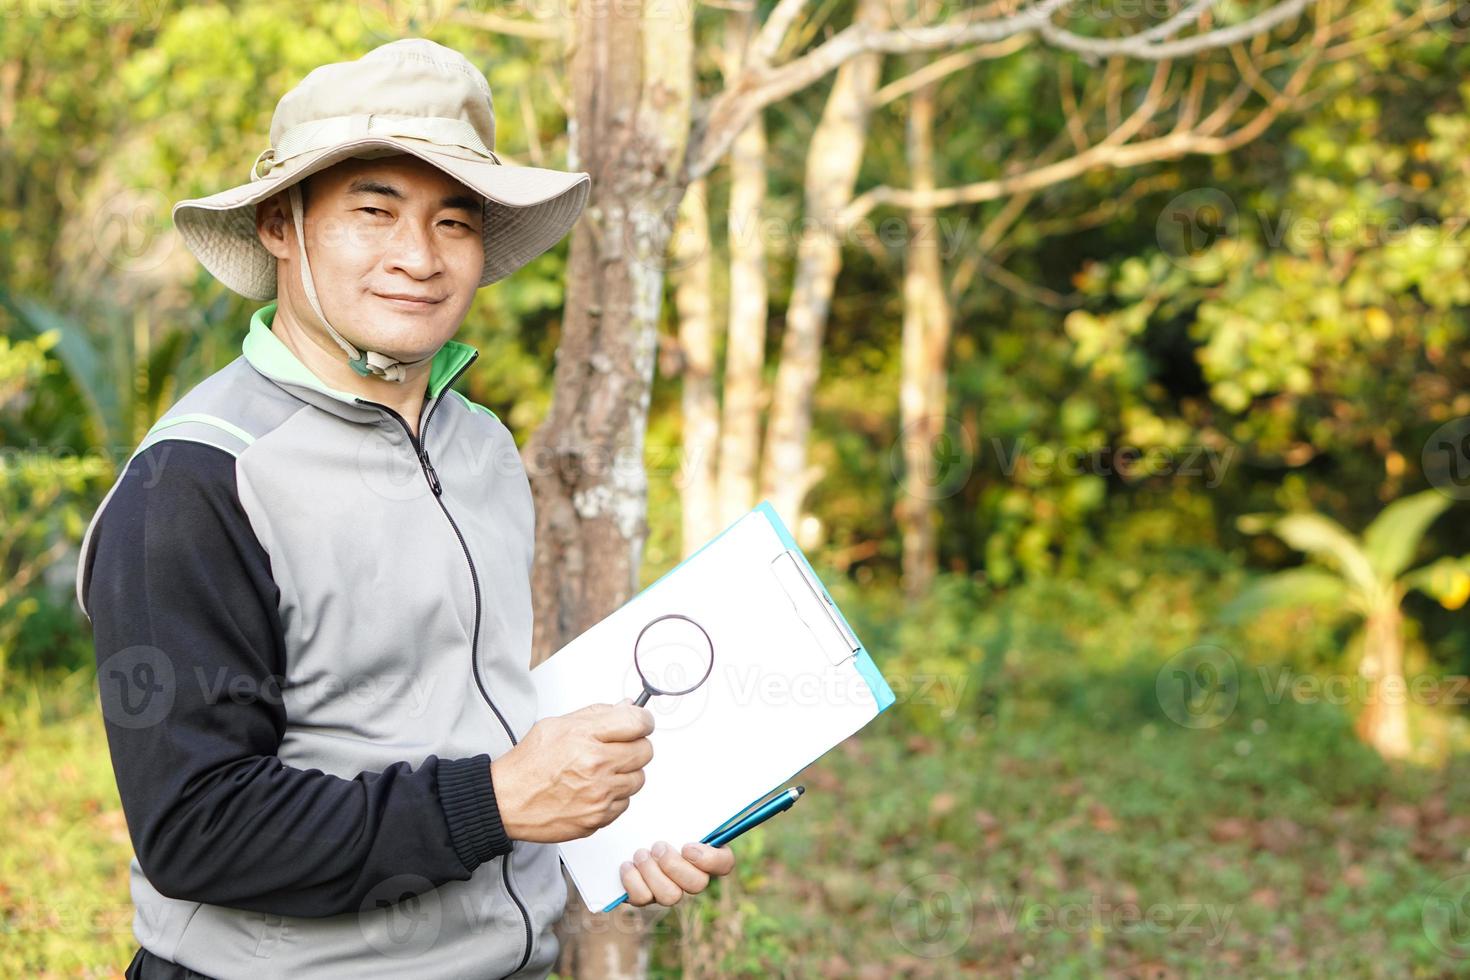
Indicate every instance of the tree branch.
{"type": "Point", "coordinates": [510, 26]}
{"type": "Point", "coordinates": [946, 66]}
{"type": "Point", "coordinates": [1145, 45]}
{"type": "Point", "coordinates": [760, 85]}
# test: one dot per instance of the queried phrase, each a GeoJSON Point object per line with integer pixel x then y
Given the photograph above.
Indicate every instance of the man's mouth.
{"type": "Point", "coordinates": [409, 301]}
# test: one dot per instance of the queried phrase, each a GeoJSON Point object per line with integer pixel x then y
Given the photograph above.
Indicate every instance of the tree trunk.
{"type": "Point", "coordinates": [745, 351]}
{"type": "Point", "coordinates": [1384, 720]}
{"type": "Point", "coordinates": [700, 402]}
{"type": "Point", "coordinates": [632, 85]}
{"type": "Point", "coordinates": [832, 168]}
{"type": "Point", "coordinates": [922, 392]}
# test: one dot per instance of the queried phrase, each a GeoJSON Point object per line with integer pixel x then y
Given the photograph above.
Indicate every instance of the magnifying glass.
{"type": "Point", "coordinates": [673, 655]}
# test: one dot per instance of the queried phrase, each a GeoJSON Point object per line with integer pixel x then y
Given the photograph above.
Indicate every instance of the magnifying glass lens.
{"type": "Point", "coordinates": [674, 656]}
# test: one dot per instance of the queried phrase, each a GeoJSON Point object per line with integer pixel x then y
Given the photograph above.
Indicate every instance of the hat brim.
{"type": "Point", "coordinates": [528, 210]}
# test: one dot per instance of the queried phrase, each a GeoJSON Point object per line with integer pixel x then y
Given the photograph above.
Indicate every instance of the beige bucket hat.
{"type": "Point", "coordinates": [408, 96]}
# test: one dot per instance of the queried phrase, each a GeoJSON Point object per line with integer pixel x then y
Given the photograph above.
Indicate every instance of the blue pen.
{"type": "Point", "coordinates": [773, 806]}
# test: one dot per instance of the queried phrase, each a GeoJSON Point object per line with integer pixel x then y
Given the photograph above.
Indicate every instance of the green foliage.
{"type": "Point", "coordinates": [43, 499]}
{"type": "Point", "coordinates": [1107, 428]}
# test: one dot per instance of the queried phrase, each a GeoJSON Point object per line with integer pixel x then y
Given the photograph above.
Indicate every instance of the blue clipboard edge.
{"type": "Point", "coordinates": [866, 668]}
{"type": "Point", "coordinates": [705, 839]}
{"type": "Point", "coordinates": [882, 693]}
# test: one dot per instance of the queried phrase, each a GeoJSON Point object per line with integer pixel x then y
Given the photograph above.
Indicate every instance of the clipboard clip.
{"type": "Point", "coordinates": [814, 607]}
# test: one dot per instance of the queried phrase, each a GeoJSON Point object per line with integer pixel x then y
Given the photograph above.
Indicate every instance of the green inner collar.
{"type": "Point", "coordinates": [269, 354]}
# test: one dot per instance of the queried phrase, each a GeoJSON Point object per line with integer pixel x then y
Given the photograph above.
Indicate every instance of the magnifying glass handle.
{"type": "Point", "coordinates": [642, 698]}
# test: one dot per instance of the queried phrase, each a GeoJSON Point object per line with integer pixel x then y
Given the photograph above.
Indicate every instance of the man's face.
{"type": "Point", "coordinates": [396, 253]}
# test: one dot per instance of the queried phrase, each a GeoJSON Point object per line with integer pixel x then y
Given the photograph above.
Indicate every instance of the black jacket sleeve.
{"type": "Point", "coordinates": [190, 656]}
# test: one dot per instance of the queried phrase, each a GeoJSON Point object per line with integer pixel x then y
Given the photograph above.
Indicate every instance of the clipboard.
{"type": "Point", "coordinates": [789, 681]}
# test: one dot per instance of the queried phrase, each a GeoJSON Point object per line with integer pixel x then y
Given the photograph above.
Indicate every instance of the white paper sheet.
{"type": "Point", "coordinates": [773, 703]}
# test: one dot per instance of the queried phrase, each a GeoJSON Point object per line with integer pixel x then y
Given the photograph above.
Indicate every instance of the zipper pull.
{"type": "Point", "coordinates": [429, 472]}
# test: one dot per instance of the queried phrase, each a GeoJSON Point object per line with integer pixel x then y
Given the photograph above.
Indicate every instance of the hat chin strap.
{"type": "Point", "coordinates": [363, 362]}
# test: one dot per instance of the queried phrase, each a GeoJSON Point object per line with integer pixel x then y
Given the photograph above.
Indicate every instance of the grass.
{"type": "Point", "coordinates": [1050, 841]}
{"type": "Point", "coordinates": [1075, 832]}
{"type": "Point", "coordinates": [64, 907]}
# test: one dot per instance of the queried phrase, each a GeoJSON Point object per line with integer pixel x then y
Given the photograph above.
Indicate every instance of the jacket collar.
{"type": "Point", "coordinates": [271, 357]}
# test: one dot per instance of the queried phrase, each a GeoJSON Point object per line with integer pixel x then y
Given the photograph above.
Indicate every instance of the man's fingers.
{"type": "Point", "coordinates": [633, 883]}
{"type": "Point", "coordinates": [680, 871]}
{"type": "Point", "coordinates": [712, 860]}
{"type": "Point", "coordinates": [630, 783]}
{"type": "Point", "coordinates": [665, 892]}
{"type": "Point", "coordinates": [623, 722]}
{"type": "Point", "coordinates": [634, 755]}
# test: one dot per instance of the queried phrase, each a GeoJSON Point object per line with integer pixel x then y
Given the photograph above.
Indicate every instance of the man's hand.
{"type": "Point", "coordinates": [665, 875]}
{"type": "Point", "coordinates": [573, 773]}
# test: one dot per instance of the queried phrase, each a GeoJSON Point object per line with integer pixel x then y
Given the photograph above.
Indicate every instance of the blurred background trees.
{"type": "Point", "coordinates": [1023, 336]}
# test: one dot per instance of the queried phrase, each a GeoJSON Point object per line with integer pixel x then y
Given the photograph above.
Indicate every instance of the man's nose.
{"type": "Point", "coordinates": [412, 249]}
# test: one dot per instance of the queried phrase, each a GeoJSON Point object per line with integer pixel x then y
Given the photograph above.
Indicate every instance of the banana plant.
{"type": "Point", "coordinates": [122, 377]}
{"type": "Point", "coordinates": [1367, 578]}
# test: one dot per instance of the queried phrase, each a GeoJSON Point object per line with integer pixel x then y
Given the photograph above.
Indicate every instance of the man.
{"type": "Point", "coordinates": [310, 586]}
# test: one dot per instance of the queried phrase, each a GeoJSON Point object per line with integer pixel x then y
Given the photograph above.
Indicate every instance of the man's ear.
{"type": "Point", "coordinates": [272, 221]}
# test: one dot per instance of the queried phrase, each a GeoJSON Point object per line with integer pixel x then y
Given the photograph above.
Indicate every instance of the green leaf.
{"type": "Point", "coordinates": [1294, 587]}
{"type": "Point", "coordinates": [1447, 581]}
{"type": "Point", "coordinates": [1390, 541]}
{"type": "Point", "coordinates": [1324, 538]}
{"type": "Point", "coordinates": [83, 362]}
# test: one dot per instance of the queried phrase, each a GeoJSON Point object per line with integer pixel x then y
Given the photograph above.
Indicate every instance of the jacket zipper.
{"type": "Point", "coordinates": [437, 488]}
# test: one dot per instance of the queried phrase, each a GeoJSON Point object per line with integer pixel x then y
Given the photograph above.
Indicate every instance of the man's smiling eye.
{"type": "Point", "coordinates": [451, 221]}
{"type": "Point", "coordinates": [374, 210]}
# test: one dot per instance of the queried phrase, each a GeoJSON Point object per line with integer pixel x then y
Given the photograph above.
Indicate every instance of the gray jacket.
{"type": "Point", "coordinates": [313, 633]}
